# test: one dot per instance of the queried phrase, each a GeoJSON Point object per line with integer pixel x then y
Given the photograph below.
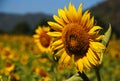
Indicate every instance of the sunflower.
{"type": "Point", "coordinates": [76, 38]}
{"type": "Point", "coordinates": [42, 39]}
{"type": "Point", "coordinates": [6, 53]}
{"type": "Point", "coordinates": [24, 59]}
{"type": "Point", "coordinates": [9, 67]}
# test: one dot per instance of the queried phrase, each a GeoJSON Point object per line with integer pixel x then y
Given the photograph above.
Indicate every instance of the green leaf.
{"type": "Point", "coordinates": [105, 40]}
{"type": "Point", "coordinates": [75, 77]}
{"type": "Point", "coordinates": [107, 35]}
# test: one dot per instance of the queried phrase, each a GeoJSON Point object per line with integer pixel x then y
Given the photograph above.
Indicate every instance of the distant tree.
{"type": "Point", "coordinates": [101, 23]}
{"type": "Point", "coordinates": [43, 22]}
{"type": "Point", "coordinates": [22, 28]}
{"type": "Point", "coordinates": [1, 31]}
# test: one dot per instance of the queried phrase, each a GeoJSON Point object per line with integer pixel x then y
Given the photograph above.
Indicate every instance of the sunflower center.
{"type": "Point", "coordinates": [45, 39]}
{"type": "Point", "coordinates": [75, 39]}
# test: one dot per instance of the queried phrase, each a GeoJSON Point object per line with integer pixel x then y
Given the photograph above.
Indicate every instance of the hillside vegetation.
{"type": "Point", "coordinates": [108, 12]}
{"type": "Point", "coordinates": [105, 12]}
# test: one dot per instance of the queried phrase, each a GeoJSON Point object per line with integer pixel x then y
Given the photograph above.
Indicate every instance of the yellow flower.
{"type": "Point", "coordinates": [15, 56]}
{"type": "Point", "coordinates": [76, 38]}
{"type": "Point", "coordinates": [6, 53]}
{"type": "Point", "coordinates": [9, 66]}
{"type": "Point", "coordinates": [45, 79]}
{"type": "Point", "coordinates": [41, 71]}
{"type": "Point", "coordinates": [14, 77]}
{"type": "Point", "coordinates": [42, 39]}
{"type": "Point", "coordinates": [24, 59]}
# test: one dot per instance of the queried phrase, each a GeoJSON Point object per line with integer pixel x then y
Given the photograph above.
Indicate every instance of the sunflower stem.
{"type": "Point", "coordinates": [97, 71]}
{"type": "Point", "coordinates": [9, 78]}
{"type": "Point", "coordinates": [83, 76]}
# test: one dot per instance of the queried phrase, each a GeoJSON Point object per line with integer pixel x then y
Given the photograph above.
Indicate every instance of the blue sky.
{"type": "Point", "coordinates": [45, 6]}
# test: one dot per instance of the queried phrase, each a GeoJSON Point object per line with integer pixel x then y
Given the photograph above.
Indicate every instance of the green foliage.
{"type": "Point", "coordinates": [1, 31]}
{"type": "Point", "coordinates": [108, 12]}
{"type": "Point", "coordinates": [107, 34]}
{"type": "Point", "coordinates": [109, 69]}
{"type": "Point", "coordinates": [22, 28]}
{"type": "Point", "coordinates": [43, 22]}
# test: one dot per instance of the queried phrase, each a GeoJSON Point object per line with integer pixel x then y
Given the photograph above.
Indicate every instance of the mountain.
{"type": "Point", "coordinates": [9, 21]}
{"type": "Point", "coordinates": [108, 12]}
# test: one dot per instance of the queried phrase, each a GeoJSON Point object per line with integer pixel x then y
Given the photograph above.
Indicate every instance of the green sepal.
{"type": "Point", "coordinates": [75, 77]}
{"type": "Point", "coordinates": [107, 36]}
{"type": "Point", "coordinates": [105, 40]}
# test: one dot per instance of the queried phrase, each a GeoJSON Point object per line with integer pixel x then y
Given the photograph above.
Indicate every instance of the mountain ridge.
{"type": "Point", "coordinates": [109, 13]}
{"type": "Point", "coordinates": [8, 21]}
{"type": "Point", "coordinates": [105, 12]}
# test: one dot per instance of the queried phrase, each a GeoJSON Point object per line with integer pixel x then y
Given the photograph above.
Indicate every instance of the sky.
{"type": "Point", "coordinates": [45, 6]}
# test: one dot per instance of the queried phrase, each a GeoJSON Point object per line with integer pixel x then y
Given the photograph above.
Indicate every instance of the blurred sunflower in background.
{"type": "Point", "coordinates": [6, 53]}
{"type": "Point", "coordinates": [8, 67]}
{"type": "Point", "coordinates": [76, 38]}
{"type": "Point", "coordinates": [42, 39]}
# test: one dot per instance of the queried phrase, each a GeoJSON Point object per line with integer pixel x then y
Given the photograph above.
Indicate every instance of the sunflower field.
{"type": "Point", "coordinates": [21, 60]}
{"type": "Point", "coordinates": [71, 48]}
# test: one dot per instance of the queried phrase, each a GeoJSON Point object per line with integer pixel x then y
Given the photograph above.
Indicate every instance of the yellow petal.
{"type": "Point", "coordinates": [86, 63]}
{"type": "Point", "coordinates": [89, 25]}
{"type": "Point", "coordinates": [90, 59]}
{"type": "Point", "coordinates": [67, 59]}
{"type": "Point", "coordinates": [45, 28]}
{"type": "Point", "coordinates": [65, 9]}
{"type": "Point", "coordinates": [70, 13]}
{"type": "Point", "coordinates": [55, 34]}
{"type": "Point", "coordinates": [59, 20]}
{"type": "Point", "coordinates": [58, 42]}
{"type": "Point", "coordinates": [60, 52]}
{"type": "Point", "coordinates": [85, 17]}
{"type": "Point", "coordinates": [99, 37]}
{"type": "Point", "coordinates": [55, 26]}
{"type": "Point", "coordinates": [96, 46]}
{"type": "Point", "coordinates": [80, 11]}
{"type": "Point", "coordinates": [59, 47]}
{"type": "Point", "coordinates": [63, 57]}
{"type": "Point", "coordinates": [80, 65]}
{"type": "Point", "coordinates": [73, 12]}
{"type": "Point", "coordinates": [67, 13]}
{"type": "Point", "coordinates": [37, 40]}
{"type": "Point", "coordinates": [69, 16]}
{"type": "Point", "coordinates": [38, 30]}
{"type": "Point", "coordinates": [94, 54]}
{"type": "Point", "coordinates": [62, 14]}
{"type": "Point", "coordinates": [36, 36]}
{"type": "Point", "coordinates": [94, 30]}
